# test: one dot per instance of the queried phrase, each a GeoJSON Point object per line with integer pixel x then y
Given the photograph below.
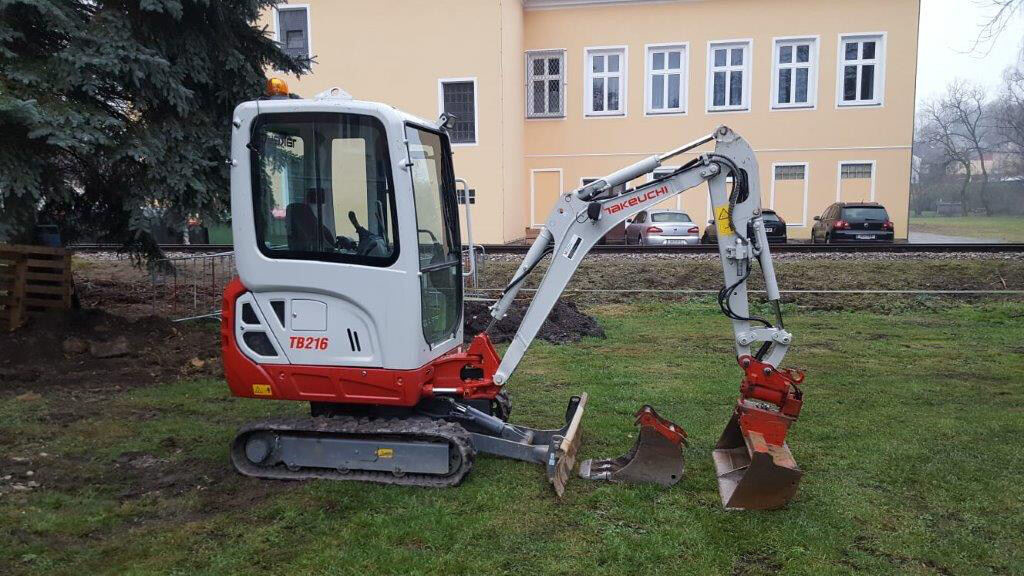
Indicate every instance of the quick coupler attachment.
{"type": "Point", "coordinates": [756, 470]}
{"type": "Point", "coordinates": [655, 458]}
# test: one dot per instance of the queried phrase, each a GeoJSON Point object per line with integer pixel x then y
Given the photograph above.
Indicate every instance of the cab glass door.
{"type": "Point", "coordinates": [437, 230]}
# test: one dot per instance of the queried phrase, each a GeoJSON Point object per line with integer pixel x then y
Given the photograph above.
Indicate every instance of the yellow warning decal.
{"type": "Point", "coordinates": [261, 390]}
{"type": "Point", "coordinates": [722, 219]}
{"type": "Point", "coordinates": [385, 453]}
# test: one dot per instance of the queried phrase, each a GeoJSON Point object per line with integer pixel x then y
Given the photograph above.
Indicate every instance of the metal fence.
{"type": "Point", "coordinates": [190, 287]}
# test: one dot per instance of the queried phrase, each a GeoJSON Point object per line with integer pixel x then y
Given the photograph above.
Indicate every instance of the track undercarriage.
{"type": "Point", "coordinates": [433, 445]}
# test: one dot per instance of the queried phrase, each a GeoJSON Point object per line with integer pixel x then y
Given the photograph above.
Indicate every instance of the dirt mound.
{"type": "Point", "coordinates": [90, 349]}
{"type": "Point", "coordinates": [565, 323]}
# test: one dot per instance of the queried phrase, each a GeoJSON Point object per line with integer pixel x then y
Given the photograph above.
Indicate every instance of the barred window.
{"type": "Point", "coordinates": [545, 79]}
{"type": "Point", "coordinates": [462, 195]}
{"type": "Point", "coordinates": [855, 171]}
{"type": "Point", "coordinates": [293, 31]}
{"type": "Point", "coordinates": [789, 172]}
{"type": "Point", "coordinates": [460, 100]}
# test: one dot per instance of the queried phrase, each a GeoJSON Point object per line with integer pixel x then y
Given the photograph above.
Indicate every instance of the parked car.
{"type": "Point", "coordinates": [616, 236]}
{"type": "Point", "coordinates": [661, 228]}
{"type": "Point", "coordinates": [774, 229]}
{"type": "Point", "coordinates": [853, 222]}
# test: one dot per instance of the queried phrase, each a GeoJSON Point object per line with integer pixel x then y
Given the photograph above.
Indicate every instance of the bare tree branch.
{"type": "Point", "coordinates": [1009, 116]}
{"type": "Point", "coordinates": [1000, 14]}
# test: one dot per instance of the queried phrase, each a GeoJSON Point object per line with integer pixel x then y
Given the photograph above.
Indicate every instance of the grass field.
{"type": "Point", "coordinates": [910, 439]}
{"type": "Point", "coordinates": [1002, 228]}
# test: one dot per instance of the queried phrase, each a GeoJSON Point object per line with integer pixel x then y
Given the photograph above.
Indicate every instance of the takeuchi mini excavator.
{"type": "Point", "coordinates": [349, 296]}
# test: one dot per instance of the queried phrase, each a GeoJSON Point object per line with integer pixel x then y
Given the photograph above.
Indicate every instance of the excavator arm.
{"type": "Point", "coordinates": [582, 217]}
{"type": "Point", "coordinates": [754, 465]}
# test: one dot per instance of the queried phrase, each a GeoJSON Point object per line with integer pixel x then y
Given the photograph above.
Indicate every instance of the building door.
{"type": "Point", "coordinates": [789, 193]}
{"type": "Point", "coordinates": [856, 182]}
{"type": "Point", "coordinates": [545, 189]}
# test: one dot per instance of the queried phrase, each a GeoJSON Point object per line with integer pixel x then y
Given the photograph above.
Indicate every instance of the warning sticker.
{"type": "Point", "coordinates": [385, 453]}
{"type": "Point", "coordinates": [722, 219]}
{"type": "Point", "coordinates": [261, 390]}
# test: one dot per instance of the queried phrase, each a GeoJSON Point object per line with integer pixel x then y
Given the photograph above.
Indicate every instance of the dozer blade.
{"type": "Point", "coordinates": [562, 454]}
{"type": "Point", "coordinates": [655, 458]}
{"type": "Point", "coordinates": [752, 473]}
{"type": "Point", "coordinates": [554, 448]}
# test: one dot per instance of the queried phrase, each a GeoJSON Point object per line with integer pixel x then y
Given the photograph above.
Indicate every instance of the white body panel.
{"type": "Point", "coordinates": [383, 303]}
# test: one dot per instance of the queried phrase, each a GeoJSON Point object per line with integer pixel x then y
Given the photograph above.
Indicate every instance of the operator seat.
{"type": "Point", "coordinates": [302, 226]}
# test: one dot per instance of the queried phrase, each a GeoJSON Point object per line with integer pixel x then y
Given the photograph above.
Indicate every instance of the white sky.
{"type": "Point", "coordinates": [948, 31]}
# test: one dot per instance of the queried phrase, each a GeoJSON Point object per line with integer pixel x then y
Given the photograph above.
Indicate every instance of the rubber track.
{"type": "Point", "coordinates": [413, 429]}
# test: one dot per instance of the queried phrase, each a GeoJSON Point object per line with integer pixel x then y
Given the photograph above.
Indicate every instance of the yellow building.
{"type": "Point", "coordinates": [551, 92]}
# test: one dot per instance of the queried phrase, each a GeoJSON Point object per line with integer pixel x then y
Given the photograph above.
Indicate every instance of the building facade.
{"type": "Point", "coordinates": [549, 93]}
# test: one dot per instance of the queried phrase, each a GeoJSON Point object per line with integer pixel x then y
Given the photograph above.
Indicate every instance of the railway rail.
{"type": "Point", "coordinates": [632, 249]}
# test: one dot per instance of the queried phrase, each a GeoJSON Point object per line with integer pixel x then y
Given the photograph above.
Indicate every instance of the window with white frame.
{"type": "Point", "coordinates": [861, 63]}
{"type": "Point", "coordinates": [666, 79]}
{"type": "Point", "coordinates": [458, 98]}
{"type": "Point", "coordinates": [545, 84]}
{"type": "Point", "coordinates": [796, 71]}
{"type": "Point", "coordinates": [729, 75]}
{"type": "Point", "coordinates": [790, 172]}
{"type": "Point", "coordinates": [606, 82]}
{"type": "Point", "coordinates": [855, 171]}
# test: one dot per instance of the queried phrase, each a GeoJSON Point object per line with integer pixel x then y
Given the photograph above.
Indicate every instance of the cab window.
{"type": "Point", "coordinates": [322, 188]}
{"type": "Point", "coordinates": [437, 230]}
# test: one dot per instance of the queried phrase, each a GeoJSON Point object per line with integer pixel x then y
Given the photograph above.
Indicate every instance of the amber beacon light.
{"type": "Point", "coordinates": [277, 87]}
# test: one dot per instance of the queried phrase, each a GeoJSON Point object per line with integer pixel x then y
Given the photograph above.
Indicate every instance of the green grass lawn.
{"type": "Point", "coordinates": [1004, 228]}
{"type": "Point", "coordinates": [910, 439]}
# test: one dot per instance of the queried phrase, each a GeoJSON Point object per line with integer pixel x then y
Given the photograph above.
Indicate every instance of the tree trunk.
{"type": "Point", "coordinates": [983, 193]}
{"type": "Point", "coordinates": [963, 188]}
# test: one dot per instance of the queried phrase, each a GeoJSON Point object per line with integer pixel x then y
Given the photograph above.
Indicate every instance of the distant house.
{"type": "Point", "coordinates": [549, 93]}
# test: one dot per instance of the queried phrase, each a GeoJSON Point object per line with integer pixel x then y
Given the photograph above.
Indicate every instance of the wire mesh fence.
{"type": "Point", "coordinates": [190, 287]}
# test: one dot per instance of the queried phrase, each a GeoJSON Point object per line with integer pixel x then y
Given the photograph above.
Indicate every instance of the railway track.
{"type": "Point", "coordinates": [685, 249]}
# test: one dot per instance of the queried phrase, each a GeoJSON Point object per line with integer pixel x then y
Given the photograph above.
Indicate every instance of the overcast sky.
{"type": "Point", "coordinates": [948, 31]}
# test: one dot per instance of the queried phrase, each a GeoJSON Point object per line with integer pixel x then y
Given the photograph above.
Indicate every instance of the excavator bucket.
{"type": "Point", "coordinates": [756, 470]}
{"type": "Point", "coordinates": [753, 474]}
{"type": "Point", "coordinates": [655, 458]}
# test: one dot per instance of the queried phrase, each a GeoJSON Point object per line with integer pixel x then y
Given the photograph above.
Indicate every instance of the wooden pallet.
{"type": "Point", "coordinates": [34, 280]}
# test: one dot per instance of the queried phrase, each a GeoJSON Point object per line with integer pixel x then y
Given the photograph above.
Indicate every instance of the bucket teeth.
{"type": "Point", "coordinates": [655, 458]}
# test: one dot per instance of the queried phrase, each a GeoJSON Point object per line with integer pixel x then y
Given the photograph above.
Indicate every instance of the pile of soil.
{"type": "Point", "coordinates": [92, 349]}
{"type": "Point", "coordinates": [566, 323]}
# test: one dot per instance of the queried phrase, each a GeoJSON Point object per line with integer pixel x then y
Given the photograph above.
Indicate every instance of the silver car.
{"type": "Point", "coordinates": [661, 228]}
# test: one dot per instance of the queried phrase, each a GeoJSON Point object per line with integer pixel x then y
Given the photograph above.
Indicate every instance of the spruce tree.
{"type": "Point", "coordinates": [116, 111]}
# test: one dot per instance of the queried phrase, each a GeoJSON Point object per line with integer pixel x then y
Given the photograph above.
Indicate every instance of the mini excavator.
{"type": "Point", "coordinates": [349, 296]}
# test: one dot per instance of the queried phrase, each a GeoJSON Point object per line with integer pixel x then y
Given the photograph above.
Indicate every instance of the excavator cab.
{"type": "Point", "coordinates": [351, 211]}
{"type": "Point", "coordinates": [349, 296]}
